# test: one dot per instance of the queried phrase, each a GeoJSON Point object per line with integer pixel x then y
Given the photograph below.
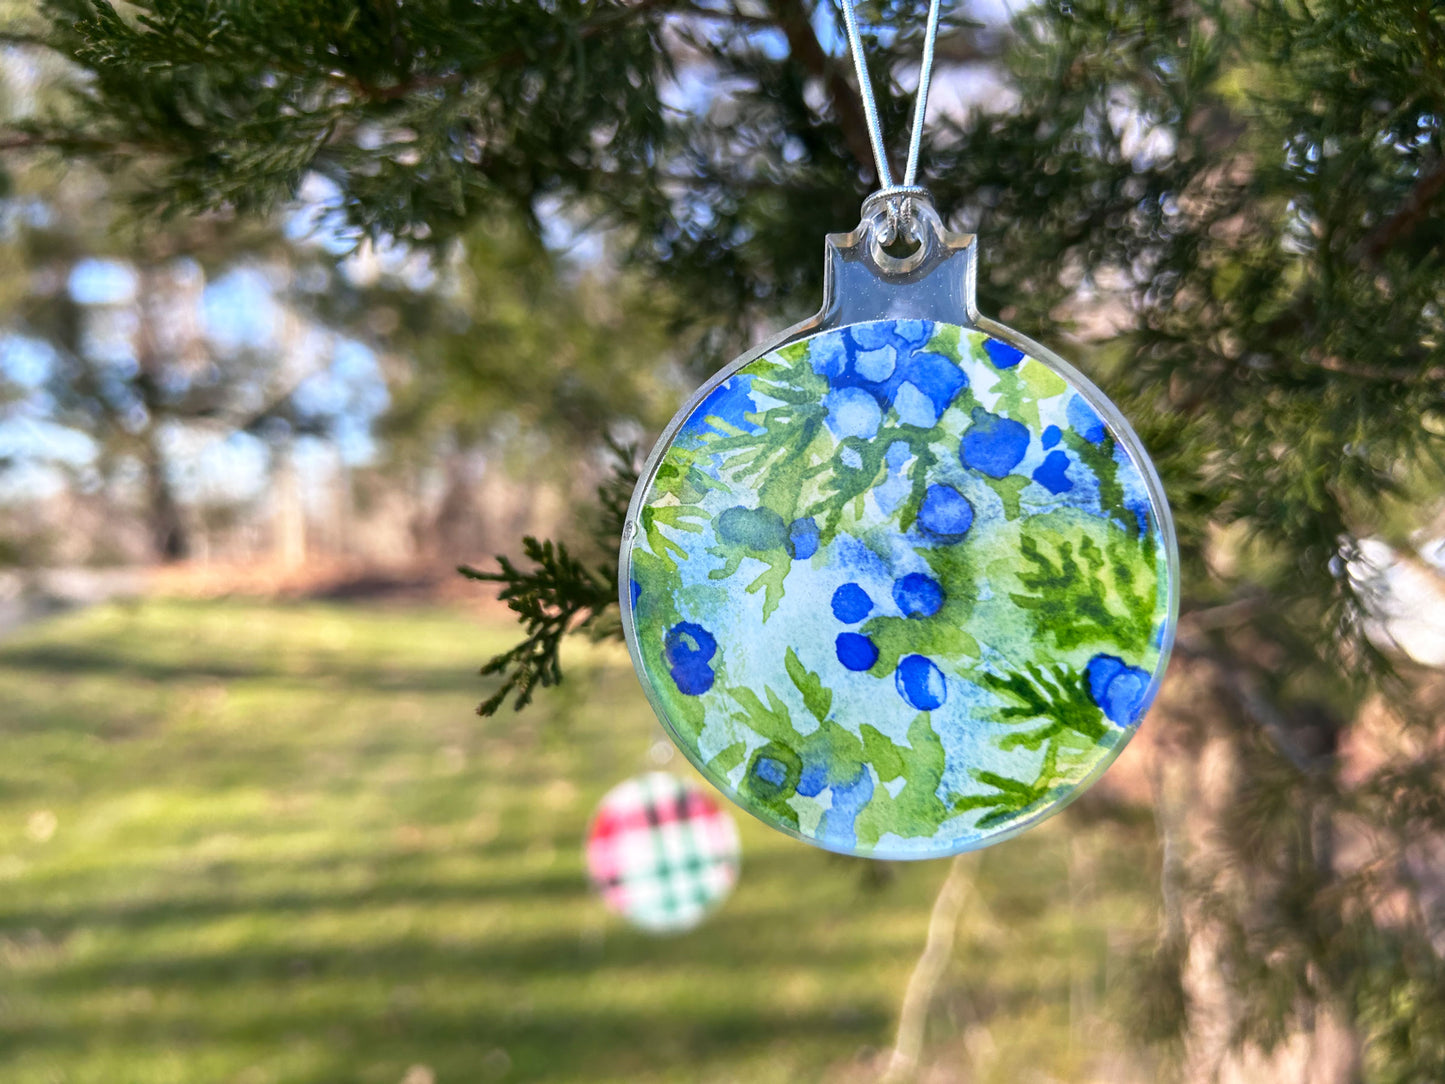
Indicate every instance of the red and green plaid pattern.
{"type": "Point", "coordinates": [661, 852]}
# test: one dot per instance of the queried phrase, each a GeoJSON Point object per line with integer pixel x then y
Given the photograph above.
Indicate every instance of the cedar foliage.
{"type": "Point", "coordinates": [1254, 186]}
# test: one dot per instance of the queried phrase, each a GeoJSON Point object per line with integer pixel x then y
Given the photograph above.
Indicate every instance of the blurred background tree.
{"type": "Point", "coordinates": [199, 374]}
{"type": "Point", "coordinates": [1228, 209]}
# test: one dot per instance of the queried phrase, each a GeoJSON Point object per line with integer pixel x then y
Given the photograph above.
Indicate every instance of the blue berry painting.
{"type": "Point", "coordinates": [899, 588]}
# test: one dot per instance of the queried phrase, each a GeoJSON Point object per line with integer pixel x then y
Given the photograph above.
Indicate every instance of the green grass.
{"type": "Point", "coordinates": [265, 844]}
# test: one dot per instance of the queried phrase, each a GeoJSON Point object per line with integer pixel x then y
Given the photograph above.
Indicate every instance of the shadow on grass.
{"type": "Point", "coordinates": [400, 879]}
{"type": "Point", "coordinates": [297, 888]}
{"type": "Point", "coordinates": [578, 1044]}
{"type": "Point", "coordinates": [61, 661]}
{"type": "Point", "coordinates": [571, 1001]}
{"type": "Point", "coordinates": [724, 948]}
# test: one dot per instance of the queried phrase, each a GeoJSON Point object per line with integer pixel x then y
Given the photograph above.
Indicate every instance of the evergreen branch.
{"type": "Point", "coordinates": [515, 58]}
{"type": "Point", "coordinates": [440, 81]}
{"type": "Point", "coordinates": [614, 495]}
{"type": "Point", "coordinates": [560, 595]}
{"type": "Point", "coordinates": [795, 21]}
{"type": "Point", "coordinates": [731, 14]}
{"type": "Point", "coordinates": [67, 141]}
{"type": "Point", "coordinates": [1410, 213]}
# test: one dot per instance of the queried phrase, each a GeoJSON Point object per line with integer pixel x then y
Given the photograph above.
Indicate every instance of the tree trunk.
{"type": "Point", "coordinates": [170, 537]}
{"type": "Point", "coordinates": [456, 527]}
{"type": "Point", "coordinates": [1211, 894]}
{"type": "Point", "coordinates": [288, 512]}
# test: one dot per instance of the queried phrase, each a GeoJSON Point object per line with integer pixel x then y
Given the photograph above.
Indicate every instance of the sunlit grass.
{"type": "Point", "coordinates": [268, 844]}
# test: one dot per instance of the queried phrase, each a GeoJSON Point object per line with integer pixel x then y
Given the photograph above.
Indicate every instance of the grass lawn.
{"type": "Point", "coordinates": [248, 843]}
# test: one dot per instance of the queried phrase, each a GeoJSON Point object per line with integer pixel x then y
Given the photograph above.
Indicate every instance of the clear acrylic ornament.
{"type": "Point", "coordinates": [900, 582]}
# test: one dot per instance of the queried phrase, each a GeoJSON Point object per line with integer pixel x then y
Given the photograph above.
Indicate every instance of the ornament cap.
{"type": "Point", "coordinates": [863, 280]}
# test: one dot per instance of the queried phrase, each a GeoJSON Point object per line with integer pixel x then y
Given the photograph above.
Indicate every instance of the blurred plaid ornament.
{"type": "Point", "coordinates": [661, 853]}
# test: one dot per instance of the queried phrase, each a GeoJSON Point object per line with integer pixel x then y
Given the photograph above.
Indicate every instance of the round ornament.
{"type": "Point", "coordinates": [902, 582]}
{"type": "Point", "coordinates": [661, 853]}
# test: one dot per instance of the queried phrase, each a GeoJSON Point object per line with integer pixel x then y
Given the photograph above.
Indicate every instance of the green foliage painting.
{"type": "Point", "coordinates": [900, 589]}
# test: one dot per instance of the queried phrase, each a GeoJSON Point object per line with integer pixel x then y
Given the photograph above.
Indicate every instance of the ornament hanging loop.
{"type": "Point", "coordinates": [905, 215]}
{"type": "Point", "coordinates": [900, 200]}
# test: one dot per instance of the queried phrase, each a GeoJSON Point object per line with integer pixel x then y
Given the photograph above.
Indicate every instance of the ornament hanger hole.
{"type": "Point", "coordinates": [897, 252]}
{"type": "Point", "coordinates": [902, 230]}
{"type": "Point", "coordinates": [901, 247]}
